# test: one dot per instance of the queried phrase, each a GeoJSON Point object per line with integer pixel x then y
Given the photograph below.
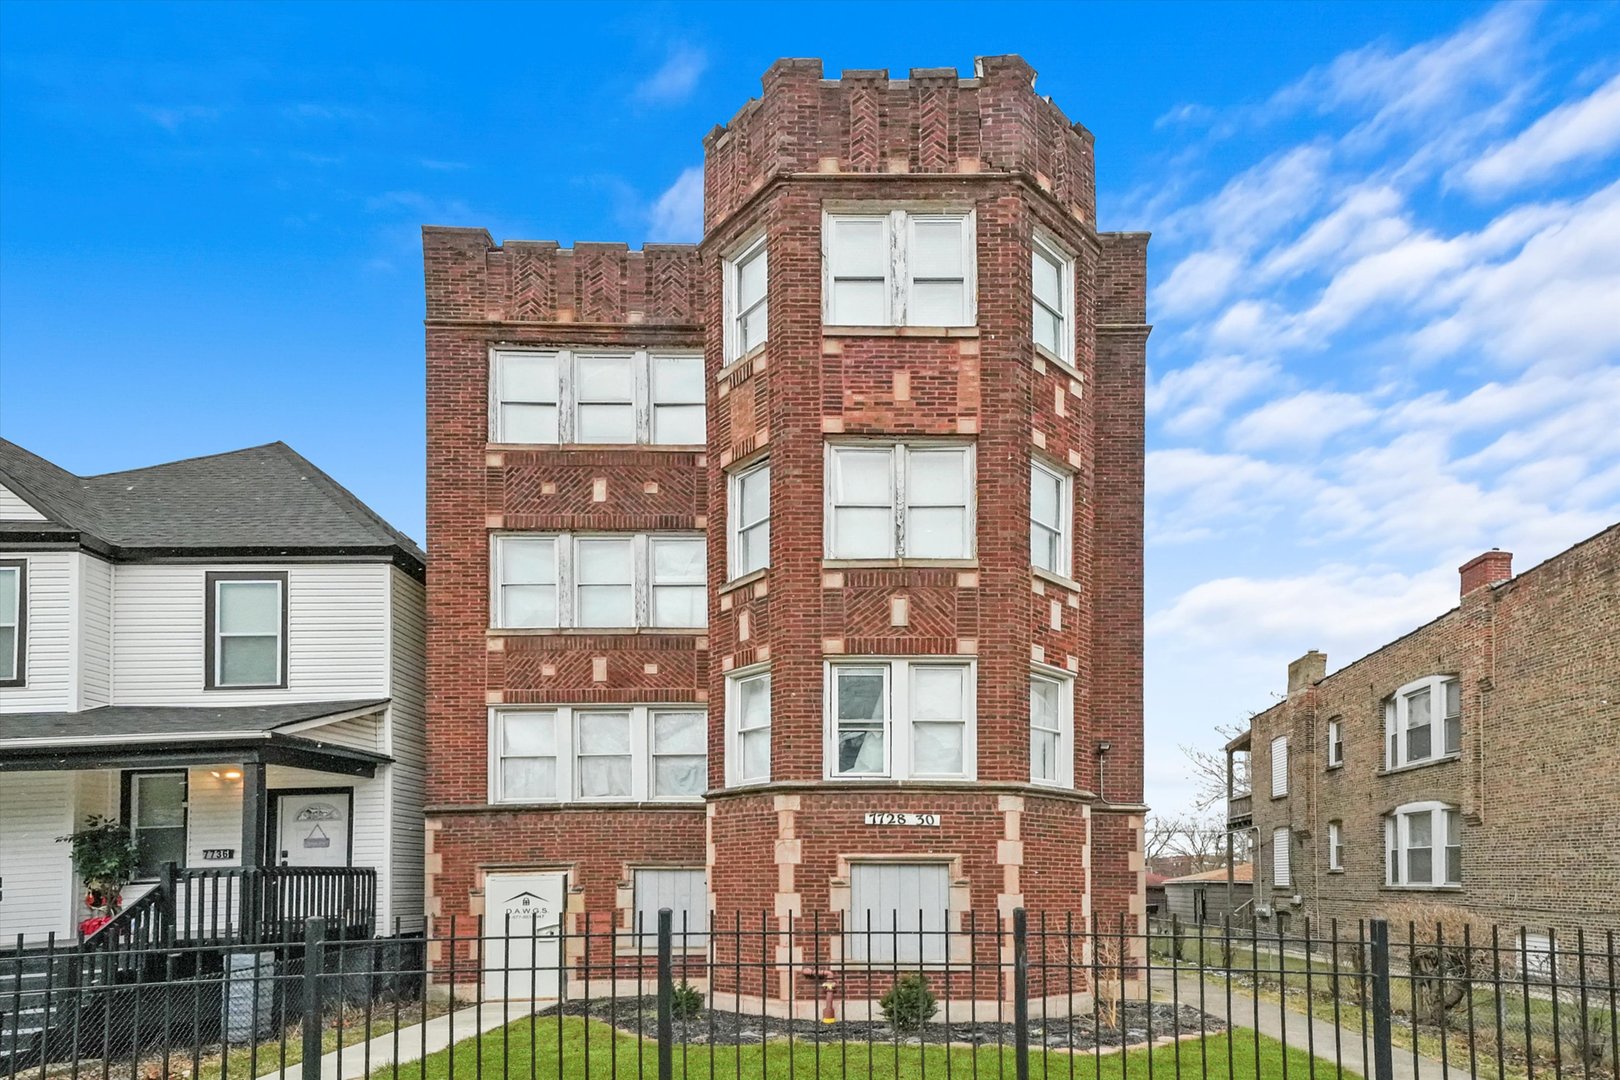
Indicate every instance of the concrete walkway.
{"type": "Point", "coordinates": [353, 1062]}
{"type": "Point", "coordinates": [1298, 1030]}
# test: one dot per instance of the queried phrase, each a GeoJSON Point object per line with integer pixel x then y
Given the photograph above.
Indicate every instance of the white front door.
{"type": "Point", "coordinates": [523, 926]}
{"type": "Point", "coordinates": [313, 829]}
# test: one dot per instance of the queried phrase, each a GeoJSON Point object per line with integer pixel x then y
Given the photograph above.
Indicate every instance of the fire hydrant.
{"type": "Point", "coordinates": [828, 985]}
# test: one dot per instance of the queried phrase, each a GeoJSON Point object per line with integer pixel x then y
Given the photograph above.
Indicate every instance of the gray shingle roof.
{"type": "Point", "coordinates": [133, 721]}
{"type": "Point", "coordinates": [258, 500]}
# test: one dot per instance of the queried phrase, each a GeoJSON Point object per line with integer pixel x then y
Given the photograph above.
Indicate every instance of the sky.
{"type": "Point", "coordinates": [1385, 271]}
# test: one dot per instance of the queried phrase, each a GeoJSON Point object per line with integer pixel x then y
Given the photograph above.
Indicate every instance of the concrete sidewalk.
{"type": "Point", "coordinates": [1296, 1029]}
{"type": "Point", "coordinates": [415, 1043]}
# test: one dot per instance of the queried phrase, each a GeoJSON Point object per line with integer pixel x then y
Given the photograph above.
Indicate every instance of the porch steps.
{"type": "Point", "coordinates": [27, 1006]}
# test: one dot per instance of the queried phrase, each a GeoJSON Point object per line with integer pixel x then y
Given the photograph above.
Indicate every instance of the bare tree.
{"type": "Point", "coordinates": [1185, 845]}
{"type": "Point", "coordinates": [1208, 768]}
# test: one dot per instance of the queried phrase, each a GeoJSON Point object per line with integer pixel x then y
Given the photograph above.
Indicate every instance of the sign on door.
{"type": "Point", "coordinates": [523, 925]}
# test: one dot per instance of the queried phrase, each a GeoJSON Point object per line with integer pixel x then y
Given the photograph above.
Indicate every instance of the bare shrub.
{"type": "Point", "coordinates": [1445, 949]}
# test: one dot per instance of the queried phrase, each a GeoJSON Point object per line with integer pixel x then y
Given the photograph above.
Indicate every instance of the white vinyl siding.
{"type": "Point", "coordinates": [903, 500]}
{"type": "Point", "coordinates": [748, 728]}
{"type": "Point", "coordinates": [747, 300]}
{"type": "Point", "coordinates": [1050, 514]}
{"type": "Point", "coordinates": [14, 507]}
{"type": "Point", "coordinates": [337, 637]}
{"type": "Point", "coordinates": [595, 753]}
{"type": "Point", "coordinates": [607, 581]}
{"type": "Point", "coordinates": [685, 893]}
{"type": "Point", "coordinates": [1052, 286]}
{"type": "Point", "coordinates": [1281, 872]}
{"type": "Point", "coordinates": [95, 631]}
{"type": "Point", "coordinates": [51, 646]}
{"type": "Point", "coordinates": [1279, 766]}
{"type": "Point", "coordinates": [897, 912]}
{"type": "Point", "coordinates": [1423, 722]}
{"type": "Point", "coordinates": [405, 739]}
{"type": "Point", "coordinates": [597, 396]}
{"type": "Point", "coordinates": [900, 719]}
{"type": "Point", "coordinates": [35, 809]}
{"type": "Point", "coordinates": [748, 531]}
{"type": "Point", "coordinates": [898, 269]}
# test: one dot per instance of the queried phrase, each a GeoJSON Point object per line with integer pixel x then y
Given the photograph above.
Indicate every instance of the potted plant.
{"type": "Point", "coordinates": [105, 858]}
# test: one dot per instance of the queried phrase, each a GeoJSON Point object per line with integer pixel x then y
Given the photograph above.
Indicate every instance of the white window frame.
{"type": "Point", "coordinates": [644, 919]}
{"type": "Point", "coordinates": [1045, 247]}
{"type": "Point", "coordinates": [875, 945]}
{"type": "Point", "coordinates": [898, 230]}
{"type": "Point", "coordinates": [733, 277]}
{"type": "Point", "coordinates": [1279, 767]}
{"type": "Point", "coordinates": [1335, 845]}
{"type": "Point", "coordinates": [17, 620]}
{"type": "Point", "coordinates": [1064, 681]}
{"type": "Point", "coordinates": [279, 580]}
{"type": "Point", "coordinates": [735, 776]}
{"type": "Point", "coordinates": [1335, 743]}
{"type": "Point", "coordinates": [566, 728]}
{"type": "Point", "coordinates": [567, 587]}
{"type": "Point", "coordinates": [898, 506]}
{"type": "Point", "coordinates": [567, 359]}
{"type": "Point", "coordinates": [1536, 955]}
{"type": "Point", "coordinates": [1282, 857]}
{"type": "Point", "coordinates": [1397, 722]}
{"type": "Point", "coordinates": [737, 525]}
{"type": "Point", "coordinates": [897, 721]}
{"type": "Point", "coordinates": [1065, 523]}
{"type": "Point", "coordinates": [1397, 844]}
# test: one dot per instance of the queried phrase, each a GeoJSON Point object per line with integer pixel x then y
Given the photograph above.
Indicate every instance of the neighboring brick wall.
{"type": "Point", "coordinates": [989, 143]}
{"type": "Point", "coordinates": [1538, 779]}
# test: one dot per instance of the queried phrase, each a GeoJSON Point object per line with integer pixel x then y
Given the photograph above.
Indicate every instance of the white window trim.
{"type": "Point", "coordinates": [567, 401]}
{"type": "Point", "coordinates": [1056, 253]}
{"type": "Point", "coordinates": [1065, 682]}
{"type": "Point", "coordinates": [1065, 478]}
{"type": "Point", "coordinates": [734, 523]}
{"type": "Point", "coordinates": [900, 470]}
{"type": "Point", "coordinates": [1396, 720]}
{"type": "Point", "coordinates": [1335, 743]}
{"type": "Point", "coordinates": [15, 620]}
{"type": "Point", "coordinates": [641, 721]}
{"type": "Point", "coordinates": [220, 635]}
{"type": "Point", "coordinates": [1279, 754]}
{"type": "Point", "coordinates": [733, 335]}
{"type": "Point", "coordinates": [1536, 955]}
{"type": "Point", "coordinates": [897, 741]}
{"type": "Point", "coordinates": [1397, 841]}
{"type": "Point", "coordinates": [734, 730]}
{"type": "Point", "coordinates": [897, 279]}
{"type": "Point", "coordinates": [641, 584]}
{"type": "Point", "coordinates": [1335, 845]}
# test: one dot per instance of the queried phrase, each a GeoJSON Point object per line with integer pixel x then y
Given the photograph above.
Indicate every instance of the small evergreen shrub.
{"type": "Point", "coordinates": [909, 1004]}
{"type": "Point", "coordinates": [685, 1002]}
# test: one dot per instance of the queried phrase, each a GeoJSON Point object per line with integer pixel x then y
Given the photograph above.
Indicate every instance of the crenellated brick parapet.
{"type": "Point", "coordinates": [469, 276]}
{"type": "Point", "coordinates": [932, 122]}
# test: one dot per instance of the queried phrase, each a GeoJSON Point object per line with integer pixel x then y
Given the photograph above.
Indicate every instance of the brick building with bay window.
{"type": "Point", "coordinates": [1473, 763]}
{"type": "Point", "coordinates": [797, 574]}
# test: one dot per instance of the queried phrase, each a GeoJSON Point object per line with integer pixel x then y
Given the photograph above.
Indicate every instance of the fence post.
{"type": "Point", "coordinates": [1021, 994]}
{"type": "Point", "coordinates": [1383, 1049]}
{"type": "Point", "coordinates": [666, 994]}
{"type": "Point", "coordinates": [314, 968]}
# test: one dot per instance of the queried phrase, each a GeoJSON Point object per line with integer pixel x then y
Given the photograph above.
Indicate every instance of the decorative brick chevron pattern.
{"type": "Point", "coordinates": [934, 129]}
{"type": "Point", "coordinates": [863, 130]}
{"type": "Point", "coordinates": [534, 282]}
{"type": "Point", "coordinates": [601, 272]}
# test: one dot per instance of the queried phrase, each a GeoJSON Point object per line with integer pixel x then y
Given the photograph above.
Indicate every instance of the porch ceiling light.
{"type": "Point", "coordinates": [228, 774]}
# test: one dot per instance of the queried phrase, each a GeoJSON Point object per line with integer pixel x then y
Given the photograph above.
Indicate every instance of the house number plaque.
{"type": "Point", "coordinates": [886, 817]}
{"type": "Point", "coordinates": [219, 854]}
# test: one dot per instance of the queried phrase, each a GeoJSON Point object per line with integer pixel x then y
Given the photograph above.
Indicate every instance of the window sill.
{"type": "Point", "coordinates": [1420, 888]}
{"type": "Point", "coordinates": [651, 951]}
{"type": "Point", "coordinates": [746, 579]}
{"type": "Point", "coordinates": [1334, 766]}
{"type": "Point", "coordinates": [867, 778]}
{"type": "Point", "coordinates": [732, 367]}
{"type": "Point", "coordinates": [1279, 798]}
{"type": "Point", "coordinates": [244, 686]}
{"type": "Point", "coordinates": [1335, 869]}
{"type": "Point", "coordinates": [593, 631]}
{"type": "Point", "coordinates": [1425, 764]}
{"type": "Point", "coordinates": [1056, 579]}
{"type": "Point", "coordinates": [657, 448]}
{"type": "Point", "coordinates": [1058, 362]}
{"type": "Point", "coordinates": [828, 330]}
{"type": "Point", "coordinates": [693, 803]}
{"type": "Point", "coordinates": [899, 564]}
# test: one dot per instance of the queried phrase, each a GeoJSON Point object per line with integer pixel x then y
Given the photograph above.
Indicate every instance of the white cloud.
{"type": "Point", "coordinates": [1190, 492]}
{"type": "Point", "coordinates": [1192, 399]}
{"type": "Point", "coordinates": [1578, 131]}
{"type": "Point", "coordinates": [677, 215]}
{"type": "Point", "coordinates": [1366, 219]}
{"type": "Point", "coordinates": [676, 78]}
{"type": "Point", "coordinates": [1198, 282]}
{"type": "Point", "coordinates": [1306, 419]}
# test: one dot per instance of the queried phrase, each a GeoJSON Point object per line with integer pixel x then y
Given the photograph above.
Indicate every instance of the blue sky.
{"type": "Point", "coordinates": [1386, 264]}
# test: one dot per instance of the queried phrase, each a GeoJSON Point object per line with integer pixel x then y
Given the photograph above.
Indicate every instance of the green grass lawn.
{"type": "Point", "coordinates": [616, 1056]}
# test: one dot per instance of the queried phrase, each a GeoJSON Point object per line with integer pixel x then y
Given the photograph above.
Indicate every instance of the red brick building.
{"type": "Point", "coordinates": [797, 574]}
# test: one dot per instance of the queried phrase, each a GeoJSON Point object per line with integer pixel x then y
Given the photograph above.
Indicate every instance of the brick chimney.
{"type": "Point", "coordinates": [1487, 569]}
{"type": "Point", "coordinates": [1306, 672]}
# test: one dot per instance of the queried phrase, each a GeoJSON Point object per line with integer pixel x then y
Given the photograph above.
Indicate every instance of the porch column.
{"type": "Point", "coordinates": [254, 813]}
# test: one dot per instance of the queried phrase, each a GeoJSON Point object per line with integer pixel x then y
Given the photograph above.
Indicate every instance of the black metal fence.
{"type": "Point", "coordinates": [964, 995]}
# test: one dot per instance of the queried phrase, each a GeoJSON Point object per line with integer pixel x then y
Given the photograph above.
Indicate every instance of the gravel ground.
{"type": "Point", "coordinates": [714, 1027]}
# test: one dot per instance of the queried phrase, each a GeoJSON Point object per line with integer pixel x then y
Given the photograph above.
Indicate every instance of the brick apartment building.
{"type": "Point", "coordinates": [797, 574]}
{"type": "Point", "coordinates": [1474, 762]}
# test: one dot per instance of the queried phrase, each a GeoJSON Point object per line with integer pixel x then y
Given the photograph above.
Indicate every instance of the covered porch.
{"type": "Point", "coordinates": [249, 821]}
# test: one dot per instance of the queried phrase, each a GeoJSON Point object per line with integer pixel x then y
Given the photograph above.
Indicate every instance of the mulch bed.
{"type": "Point", "coordinates": [639, 1016]}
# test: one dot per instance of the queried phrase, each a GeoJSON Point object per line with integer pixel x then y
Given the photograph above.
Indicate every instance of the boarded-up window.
{"type": "Point", "coordinates": [685, 893]}
{"type": "Point", "coordinates": [1281, 875]}
{"type": "Point", "coordinates": [1279, 766]}
{"type": "Point", "coordinates": [897, 912]}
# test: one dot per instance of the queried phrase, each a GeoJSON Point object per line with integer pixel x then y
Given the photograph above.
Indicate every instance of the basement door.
{"type": "Point", "coordinates": [523, 925]}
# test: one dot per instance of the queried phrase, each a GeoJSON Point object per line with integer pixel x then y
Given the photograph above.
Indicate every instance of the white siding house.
{"type": "Point", "coordinates": [235, 640]}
